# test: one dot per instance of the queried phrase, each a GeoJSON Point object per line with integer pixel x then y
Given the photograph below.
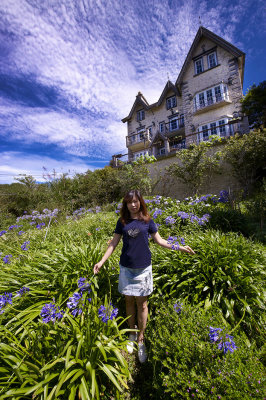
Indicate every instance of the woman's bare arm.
{"type": "Point", "coordinates": [162, 242]}
{"type": "Point", "coordinates": [112, 245]}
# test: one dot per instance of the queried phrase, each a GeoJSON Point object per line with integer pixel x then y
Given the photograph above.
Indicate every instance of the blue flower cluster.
{"type": "Point", "coordinates": [76, 302]}
{"type": "Point", "coordinates": [24, 245]}
{"type": "Point", "coordinates": [7, 259]}
{"type": "Point", "coordinates": [84, 286]}
{"type": "Point", "coordinates": [226, 344]}
{"type": "Point", "coordinates": [21, 291]}
{"type": "Point", "coordinates": [106, 313]}
{"type": "Point", "coordinates": [222, 198]}
{"type": "Point", "coordinates": [5, 299]}
{"type": "Point", "coordinates": [51, 312]}
{"type": "Point", "coordinates": [178, 307]}
{"type": "Point", "coordinates": [170, 220]}
{"type": "Point", "coordinates": [174, 242]}
{"type": "Point", "coordinates": [157, 213]}
{"type": "Point", "coordinates": [193, 218]}
{"type": "Point", "coordinates": [39, 226]}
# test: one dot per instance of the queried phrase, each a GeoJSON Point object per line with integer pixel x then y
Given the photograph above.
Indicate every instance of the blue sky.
{"type": "Point", "coordinates": [70, 71]}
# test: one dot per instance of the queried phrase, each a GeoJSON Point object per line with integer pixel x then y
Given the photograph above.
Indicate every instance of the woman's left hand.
{"type": "Point", "coordinates": [186, 249]}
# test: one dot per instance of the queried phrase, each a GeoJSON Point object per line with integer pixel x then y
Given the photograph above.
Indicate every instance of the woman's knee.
{"type": "Point", "coordinates": [142, 303]}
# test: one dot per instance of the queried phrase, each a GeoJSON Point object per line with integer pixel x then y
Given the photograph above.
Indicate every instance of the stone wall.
{"type": "Point", "coordinates": [173, 187]}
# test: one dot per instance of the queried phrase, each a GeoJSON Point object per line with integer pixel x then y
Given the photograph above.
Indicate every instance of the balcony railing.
{"type": "Point", "coordinates": [221, 130]}
{"type": "Point", "coordinates": [171, 126]}
{"type": "Point", "coordinates": [141, 137]}
{"type": "Point", "coordinates": [199, 104]}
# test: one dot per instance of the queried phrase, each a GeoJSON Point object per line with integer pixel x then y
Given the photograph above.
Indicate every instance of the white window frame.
{"type": "Point", "coordinates": [221, 127]}
{"type": "Point", "coordinates": [215, 59]}
{"type": "Point", "coordinates": [218, 93]}
{"type": "Point", "coordinates": [140, 115]}
{"type": "Point", "coordinates": [162, 127]}
{"type": "Point", "coordinates": [174, 119]}
{"type": "Point", "coordinates": [199, 60]}
{"type": "Point", "coordinates": [171, 102]}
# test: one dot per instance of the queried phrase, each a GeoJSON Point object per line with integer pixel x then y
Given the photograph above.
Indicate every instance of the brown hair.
{"type": "Point", "coordinates": [143, 212]}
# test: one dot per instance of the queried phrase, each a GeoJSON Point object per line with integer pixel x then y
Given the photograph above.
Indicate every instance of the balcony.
{"type": "Point", "coordinates": [203, 105]}
{"type": "Point", "coordinates": [173, 127]}
{"type": "Point", "coordinates": [222, 130]}
{"type": "Point", "coordinates": [139, 141]}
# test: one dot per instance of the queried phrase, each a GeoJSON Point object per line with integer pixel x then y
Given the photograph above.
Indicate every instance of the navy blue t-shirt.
{"type": "Point", "coordinates": [135, 251]}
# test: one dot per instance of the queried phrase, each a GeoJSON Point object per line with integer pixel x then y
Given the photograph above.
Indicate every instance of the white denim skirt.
{"type": "Point", "coordinates": [135, 281]}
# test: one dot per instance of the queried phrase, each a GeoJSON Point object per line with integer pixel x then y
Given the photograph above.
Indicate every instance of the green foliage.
{"type": "Point", "coordinates": [247, 158]}
{"type": "Point", "coordinates": [137, 175]}
{"type": "Point", "coordinates": [254, 105]}
{"type": "Point", "coordinates": [186, 364]}
{"type": "Point", "coordinates": [227, 271]}
{"type": "Point", "coordinates": [194, 166]}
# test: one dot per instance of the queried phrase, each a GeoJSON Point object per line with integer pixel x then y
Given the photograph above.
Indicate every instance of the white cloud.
{"type": "Point", "coordinates": [98, 55]}
{"type": "Point", "coordinates": [14, 164]}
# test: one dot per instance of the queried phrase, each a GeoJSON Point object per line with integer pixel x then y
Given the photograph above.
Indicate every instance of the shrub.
{"type": "Point", "coordinates": [186, 364]}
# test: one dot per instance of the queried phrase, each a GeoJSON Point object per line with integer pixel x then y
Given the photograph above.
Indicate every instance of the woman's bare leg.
{"type": "Point", "coordinates": [131, 311]}
{"type": "Point", "coordinates": [142, 305]}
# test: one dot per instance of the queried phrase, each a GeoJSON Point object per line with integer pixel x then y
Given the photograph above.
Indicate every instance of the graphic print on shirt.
{"type": "Point", "coordinates": [133, 232]}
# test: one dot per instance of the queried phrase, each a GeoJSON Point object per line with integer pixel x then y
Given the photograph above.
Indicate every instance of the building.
{"type": "Point", "coordinates": [204, 100]}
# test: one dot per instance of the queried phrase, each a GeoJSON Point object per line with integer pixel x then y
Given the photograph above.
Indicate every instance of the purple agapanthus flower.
{"type": "Point", "coordinates": [178, 307]}
{"type": "Point", "coordinates": [75, 304]}
{"type": "Point", "coordinates": [169, 220]}
{"type": "Point", "coordinates": [7, 258]}
{"type": "Point", "coordinates": [51, 312]}
{"type": "Point", "coordinates": [5, 299]}
{"type": "Point", "coordinates": [183, 215]}
{"type": "Point", "coordinates": [2, 233]}
{"type": "Point", "coordinates": [24, 246]}
{"type": "Point", "coordinates": [106, 313]}
{"type": "Point", "coordinates": [21, 291]}
{"type": "Point", "coordinates": [20, 233]}
{"type": "Point", "coordinates": [226, 344]}
{"type": "Point", "coordinates": [84, 286]}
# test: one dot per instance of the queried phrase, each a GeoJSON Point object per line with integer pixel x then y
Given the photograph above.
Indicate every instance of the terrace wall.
{"type": "Point", "coordinates": [169, 186]}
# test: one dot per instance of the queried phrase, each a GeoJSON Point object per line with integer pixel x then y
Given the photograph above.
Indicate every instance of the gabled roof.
{"type": "Point", "coordinates": [168, 86]}
{"type": "Point", "coordinates": [203, 32]}
{"type": "Point", "coordinates": [141, 101]}
{"type": "Point", "coordinates": [158, 135]}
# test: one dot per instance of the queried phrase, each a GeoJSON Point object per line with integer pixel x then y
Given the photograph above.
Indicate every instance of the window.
{"type": "Point", "coordinates": [201, 100]}
{"type": "Point", "coordinates": [220, 127]}
{"type": "Point", "coordinates": [222, 130]}
{"type": "Point", "coordinates": [212, 60]}
{"type": "Point", "coordinates": [213, 128]}
{"type": "Point", "coordinates": [218, 95]}
{"type": "Point", "coordinates": [149, 132]}
{"type": "Point", "coordinates": [161, 127]}
{"type": "Point", "coordinates": [173, 124]}
{"type": "Point", "coordinates": [140, 115]}
{"type": "Point", "coordinates": [211, 96]}
{"type": "Point", "coordinates": [182, 121]}
{"type": "Point", "coordinates": [205, 133]}
{"type": "Point", "coordinates": [171, 102]}
{"type": "Point", "coordinates": [198, 66]}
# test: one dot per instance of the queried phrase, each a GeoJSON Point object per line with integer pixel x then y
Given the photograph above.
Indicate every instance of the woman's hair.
{"type": "Point", "coordinates": [143, 212]}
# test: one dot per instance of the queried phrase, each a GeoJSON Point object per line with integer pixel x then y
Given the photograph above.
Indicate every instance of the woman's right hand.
{"type": "Point", "coordinates": [97, 267]}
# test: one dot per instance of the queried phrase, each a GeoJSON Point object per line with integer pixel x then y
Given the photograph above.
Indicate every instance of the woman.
{"type": "Point", "coordinates": [135, 278]}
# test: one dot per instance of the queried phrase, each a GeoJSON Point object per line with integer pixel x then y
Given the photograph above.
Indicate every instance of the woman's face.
{"type": "Point", "coordinates": [133, 206]}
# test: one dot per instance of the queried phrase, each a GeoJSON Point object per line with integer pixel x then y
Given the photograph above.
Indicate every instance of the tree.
{"type": "Point", "coordinates": [137, 175]}
{"type": "Point", "coordinates": [194, 166]}
{"type": "Point", "coordinates": [254, 105]}
{"type": "Point", "coordinates": [247, 158]}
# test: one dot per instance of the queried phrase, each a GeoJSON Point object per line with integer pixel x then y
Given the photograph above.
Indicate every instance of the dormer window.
{"type": "Point", "coordinates": [140, 115]}
{"type": "Point", "coordinates": [171, 102]}
{"type": "Point", "coordinates": [198, 65]}
{"type": "Point", "coordinates": [212, 60]}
